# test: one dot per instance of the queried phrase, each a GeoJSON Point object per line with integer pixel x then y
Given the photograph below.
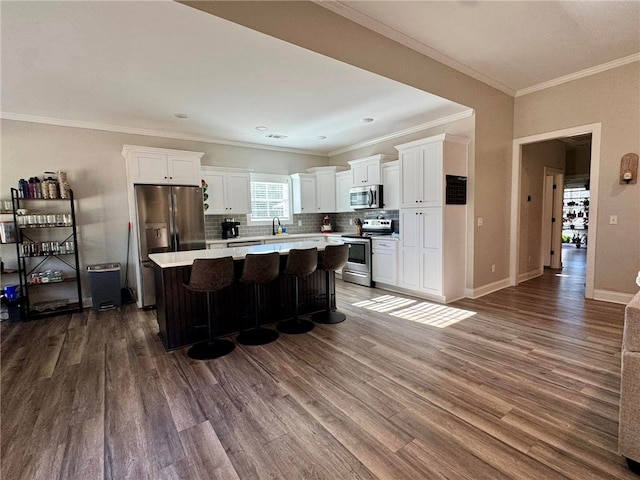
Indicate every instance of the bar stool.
{"type": "Point", "coordinates": [209, 275]}
{"type": "Point", "coordinates": [333, 258]}
{"type": "Point", "coordinates": [259, 269]}
{"type": "Point", "coordinates": [300, 263]}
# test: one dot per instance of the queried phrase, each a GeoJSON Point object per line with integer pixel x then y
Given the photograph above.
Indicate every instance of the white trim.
{"type": "Point", "coordinates": [581, 74]}
{"type": "Point", "coordinates": [487, 289]}
{"type": "Point", "coordinates": [379, 27]}
{"type": "Point", "coordinates": [275, 178]}
{"type": "Point", "coordinates": [406, 131]}
{"type": "Point", "coordinates": [151, 133]}
{"type": "Point", "coordinates": [614, 297]}
{"type": "Point", "coordinates": [595, 129]}
{"type": "Point", "coordinates": [523, 277]}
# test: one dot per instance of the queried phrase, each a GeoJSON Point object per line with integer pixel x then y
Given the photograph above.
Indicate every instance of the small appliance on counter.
{"type": "Point", "coordinates": [326, 225]}
{"type": "Point", "coordinates": [230, 228]}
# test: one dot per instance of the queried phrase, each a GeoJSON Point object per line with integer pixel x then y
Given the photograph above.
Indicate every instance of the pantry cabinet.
{"type": "Point", "coordinates": [226, 191]}
{"type": "Point", "coordinates": [161, 166]}
{"type": "Point", "coordinates": [432, 222]}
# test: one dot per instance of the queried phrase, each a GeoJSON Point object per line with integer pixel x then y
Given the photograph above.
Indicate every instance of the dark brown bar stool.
{"type": "Point", "coordinates": [259, 268]}
{"type": "Point", "coordinates": [300, 263]}
{"type": "Point", "coordinates": [209, 275]}
{"type": "Point", "coordinates": [333, 258]}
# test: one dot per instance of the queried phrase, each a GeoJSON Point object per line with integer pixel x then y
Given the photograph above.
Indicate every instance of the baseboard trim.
{"type": "Point", "coordinates": [523, 277]}
{"type": "Point", "coordinates": [613, 297]}
{"type": "Point", "coordinates": [487, 289]}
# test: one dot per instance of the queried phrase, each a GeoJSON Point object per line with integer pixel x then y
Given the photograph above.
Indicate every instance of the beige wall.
{"type": "Point", "coordinates": [612, 98]}
{"type": "Point", "coordinates": [535, 157]}
{"type": "Point", "coordinates": [315, 28]}
{"type": "Point", "coordinates": [96, 172]}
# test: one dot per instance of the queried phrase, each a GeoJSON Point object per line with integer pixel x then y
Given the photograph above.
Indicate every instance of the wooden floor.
{"type": "Point", "coordinates": [519, 384]}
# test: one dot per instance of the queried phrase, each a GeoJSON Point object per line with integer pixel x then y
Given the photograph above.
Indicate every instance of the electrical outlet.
{"type": "Point", "coordinates": [299, 223]}
{"type": "Point", "coordinates": [493, 268]}
{"type": "Point", "coordinates": [480, 221]}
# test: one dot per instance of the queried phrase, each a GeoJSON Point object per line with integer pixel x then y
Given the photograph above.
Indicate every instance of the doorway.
{"type": "Point", "coordinates": [594, 130]}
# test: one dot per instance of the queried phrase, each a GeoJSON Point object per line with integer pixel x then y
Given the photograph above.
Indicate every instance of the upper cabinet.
{"type": "Point", "coordinates": [343, 183]}
{"type": "Point", "coordinates": [325, 188]}
{"type": "Point", "coordinates": [391, 185]}
{"type": "Point", "coordinates": [162, 166]}
{"type": "Point", "coordinates": [304, 193]}
{"type": "Point", "coordinates": [423, 166]}
{"type": "Point", "coordinates": [228, 191]}
{"type": "Point", "coordinates": [368, 171]}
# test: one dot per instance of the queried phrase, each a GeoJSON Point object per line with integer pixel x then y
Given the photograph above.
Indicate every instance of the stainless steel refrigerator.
{"type": "Point", "coordinates": [170, 219]}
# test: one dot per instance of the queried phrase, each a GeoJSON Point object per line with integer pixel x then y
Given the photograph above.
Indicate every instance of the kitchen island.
{"type": "Point", "coordinates": [182, 314]}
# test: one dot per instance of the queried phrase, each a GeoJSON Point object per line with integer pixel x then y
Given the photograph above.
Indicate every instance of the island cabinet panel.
{"type": "Point", "coordinates": [182, 314]}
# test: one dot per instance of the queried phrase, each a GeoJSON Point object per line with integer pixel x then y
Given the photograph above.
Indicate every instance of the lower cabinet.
{"type": "Point", "coordinates": [385, 261]}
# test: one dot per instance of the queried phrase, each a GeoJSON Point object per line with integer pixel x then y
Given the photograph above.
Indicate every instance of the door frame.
{"type": "Point", "coordinates": [595, 129]}
{"type": "Point", "coordinates": [554, 240]}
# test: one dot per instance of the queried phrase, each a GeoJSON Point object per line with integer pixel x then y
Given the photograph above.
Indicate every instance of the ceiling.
{"type": "Point", "coordinates": [132, 66]}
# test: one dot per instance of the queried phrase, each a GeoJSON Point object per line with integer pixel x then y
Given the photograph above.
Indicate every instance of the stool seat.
{"type": "Point", "coordinates": [300, 263]}
{"type": "Point", "coordinates": [209, 275]}
{"type": "Point", "coordinates": [333, 258]}
{"type": "Point", "coordinates": [259, 269]}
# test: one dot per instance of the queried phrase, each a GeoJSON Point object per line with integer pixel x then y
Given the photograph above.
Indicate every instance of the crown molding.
{"type": "Point", "coordinates": [151, 133]}
{"type": "Point", "coordinates": [581, 74]}
{"type": "Point", "coordinates": [401, 133]}
{"type": "Point", "coordinates": [379, 27]}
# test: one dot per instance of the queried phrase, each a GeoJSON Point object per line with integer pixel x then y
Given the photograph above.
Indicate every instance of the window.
{"type": "Point", "coordinates": [269, 198]}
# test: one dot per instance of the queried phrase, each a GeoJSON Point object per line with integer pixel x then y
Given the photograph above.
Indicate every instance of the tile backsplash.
{"type": "Point", "coordinates": [311, 222]}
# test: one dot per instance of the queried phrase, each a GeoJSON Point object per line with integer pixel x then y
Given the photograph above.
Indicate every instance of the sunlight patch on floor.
{"type": "Point", "coordinates": [562, 275]}
{"type": "Point", "coordinates": [427, 313]}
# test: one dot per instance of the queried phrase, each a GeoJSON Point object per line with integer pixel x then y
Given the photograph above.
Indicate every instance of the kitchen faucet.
{"type": "Point", "coordinates": [273, 225]}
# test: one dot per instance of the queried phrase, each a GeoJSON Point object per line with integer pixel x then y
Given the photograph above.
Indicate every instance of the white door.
{"type": "Point", "coordinates": [183, 171]}
{"type": "Point", "coordinates": [308, 194]}
{"type": "Point", "coordinates": [391, 186]}
{"type": "Point", "coordinates": [149, 168]}
{"type": "Point", "coordinates": [216, 182]}
{"type": "Point", "coordinates": [343, 184]}
{"type": "Point", "coordinates": [238, 192]}
{"type": "Point", "coordinates": [326, 192]}
{"type": "Point", "coordinates": [432, 178]}
{"type": "Point", "coordinates": [410, 177]}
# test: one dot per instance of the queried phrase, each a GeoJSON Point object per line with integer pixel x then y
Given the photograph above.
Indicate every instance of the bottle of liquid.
{"type": "Point", "coordinates": [279, 230]}
{"type": "Point", "coordinates": [38, 188]}
{"type": "Point", "coordinates": [23, 188]}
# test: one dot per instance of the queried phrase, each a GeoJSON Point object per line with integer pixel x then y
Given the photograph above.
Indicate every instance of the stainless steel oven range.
{"type": "Point", "coordinates": [359, 264]}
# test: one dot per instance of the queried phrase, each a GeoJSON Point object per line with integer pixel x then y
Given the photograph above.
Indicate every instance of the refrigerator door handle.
{"type": "Point", "coordinates": [172, 222]}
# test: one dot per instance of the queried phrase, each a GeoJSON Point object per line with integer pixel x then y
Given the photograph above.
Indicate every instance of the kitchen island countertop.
{"type": "Point", "coordinates": [181, 259]}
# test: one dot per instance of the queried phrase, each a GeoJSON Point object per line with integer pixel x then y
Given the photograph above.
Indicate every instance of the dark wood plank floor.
{"type": "Point", "coordinates": [519, 384]}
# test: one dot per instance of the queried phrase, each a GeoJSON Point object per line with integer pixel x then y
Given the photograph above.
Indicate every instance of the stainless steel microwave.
{"type": "Point", "coordinates": [369, 196]}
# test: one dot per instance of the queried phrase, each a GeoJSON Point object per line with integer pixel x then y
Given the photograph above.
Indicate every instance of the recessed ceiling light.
{"type": "Point", "coordinates": [366, 120]}
{"type": "Point", "coordinates": [321, 137]}
{"type": "Point", "coordinates": [181, 116]}
{"type": "Point", "coordinates": [261, 128]}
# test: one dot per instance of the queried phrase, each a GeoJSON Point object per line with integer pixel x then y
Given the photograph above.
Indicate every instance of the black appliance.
{"type": "Point", "coordinates": [358, 268]}
{"type": "Point", "coordinates": [230, 228]}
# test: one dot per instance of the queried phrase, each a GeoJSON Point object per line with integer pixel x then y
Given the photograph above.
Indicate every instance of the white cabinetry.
{"type": "Point", "coordinates": [433, 233]}
{"type": "Point", "coordinates": [385, 261]}
{"type": "Point", "coordinates": [228, 191]}
{"type": "Point", "coordinates": [344, 181]}
{"type": "Point", "coordinates": [304, 192]}
{"type": "Point", "coordinates": [162, 166]}
{"type": "Point", "coordinates": [368, 170]}
{"type": "Point", "coordinates": [391, 185]}
{"type": "Point", "coordinates": [325, 188]}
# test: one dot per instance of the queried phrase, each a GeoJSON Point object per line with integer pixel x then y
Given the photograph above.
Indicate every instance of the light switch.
{"type": "Point", "coordinates": [613, 220]}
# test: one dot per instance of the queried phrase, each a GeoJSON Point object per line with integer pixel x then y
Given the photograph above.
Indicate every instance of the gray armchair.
{"type": "Point", "coordinates": [629, 427]}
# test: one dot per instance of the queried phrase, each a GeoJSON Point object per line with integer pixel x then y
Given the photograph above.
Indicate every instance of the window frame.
{"type": "Point", "coordinates": [270, 178]}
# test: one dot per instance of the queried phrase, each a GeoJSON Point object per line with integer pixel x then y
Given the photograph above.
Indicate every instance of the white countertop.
{"type": "Point", "coordinates": [282, 237]}
{"type": "Point", "coordinates": [181, 259]}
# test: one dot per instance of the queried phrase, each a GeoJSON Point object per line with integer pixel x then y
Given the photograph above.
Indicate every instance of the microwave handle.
{"type": "Point", "coordinates": [372, 197]}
